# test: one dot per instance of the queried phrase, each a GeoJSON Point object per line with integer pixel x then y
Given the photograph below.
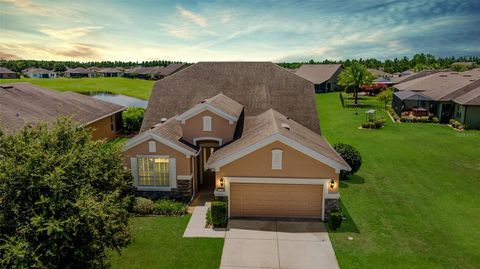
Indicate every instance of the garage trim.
{"type": "Point", "coordinates": [265, 180]}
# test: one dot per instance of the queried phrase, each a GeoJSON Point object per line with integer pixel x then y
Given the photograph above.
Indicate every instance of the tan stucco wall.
{"type": "Point", "coordinates": [183, 164]}
{"type": "Point", "coordinates": [101, 129]}
{"type": "Point", "coordinates": [221, 128]}
{"type": "Point", "coordinates": [295, 164]}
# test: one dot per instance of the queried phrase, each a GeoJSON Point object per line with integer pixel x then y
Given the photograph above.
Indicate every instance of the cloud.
{"type": "Point", "coordinates": [179, 31]}
{"type": "Point", "coordinates": [78, 50]}
{"type": "Point", "coordinates": [29, 6]}
{"type": "Point", "coordinates": [8, 56]}
{"type": "Point", "coordinates": [69, 33]}
{"type": "Point", "coordinates": [193, 17]}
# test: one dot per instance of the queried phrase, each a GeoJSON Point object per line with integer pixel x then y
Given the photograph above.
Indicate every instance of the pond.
{"type": "Point", "coordinates": [119, 99]}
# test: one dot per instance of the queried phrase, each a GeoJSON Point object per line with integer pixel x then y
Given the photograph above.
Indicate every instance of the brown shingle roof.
{"type": "Point", "coordinates": [109, 70]}
{"type": "Point", "coordinates": [172, 131]}
{"type": "Point", "coordinates": [413, 76]}
{"type": "Point", "coordinates": [317, 73]}
{"type": "Point", "coordinates": [79, 70]}
{"type": "Point", "coordinates": [34, 70]}
{"type": "Point", "coordinates": [4, 70]}
{"type": "Point", "coordinates": [34, 104]}
{"type": "Point", "coordinates": [443, 86]}
{"type": "Point", "coordinates": [256, 85]}
{"type": "Point", "coordinates": [226, 104]}
{"type": "Point", "coordinates": [472, 97]}
{"type": "Point", "coordinates": [271, 122]}
{"type": "Point", "coordinates": [171, 68]}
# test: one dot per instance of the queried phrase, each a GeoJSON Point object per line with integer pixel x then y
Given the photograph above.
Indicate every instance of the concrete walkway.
{"type": "Point", "coordinates": [277, 244]}
{"type": "Point", "coordinates": [197, 223]}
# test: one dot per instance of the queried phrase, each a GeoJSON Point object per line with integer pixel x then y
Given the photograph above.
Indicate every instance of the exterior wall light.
{"type": "Point", "coordinates": [221, 182]}
{"type": "Point", "coordinates": [332, 183]}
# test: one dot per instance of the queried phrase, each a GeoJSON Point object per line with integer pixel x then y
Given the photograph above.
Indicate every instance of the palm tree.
{"type": "Point", "coordinates": [355, 76]}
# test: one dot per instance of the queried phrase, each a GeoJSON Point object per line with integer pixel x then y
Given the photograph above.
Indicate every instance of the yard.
{"type": "Point", "coordinates": [158, 243]}
{"type": "Point", "coordinates": [138, 88]}
{"type": "Point", "coordinates": [415, 201]}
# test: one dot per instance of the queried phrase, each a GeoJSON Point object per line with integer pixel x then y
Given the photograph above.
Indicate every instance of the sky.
{"type": "Point", "coordinates": [261, 30]}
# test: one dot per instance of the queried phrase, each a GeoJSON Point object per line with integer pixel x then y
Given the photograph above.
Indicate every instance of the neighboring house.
{"type": "Point", "coordinates": [171, 68]}
{"type": "Point", "coordinates": [323, 76]}
{"type": "Point", "coordinates": [7, 73]}
{"type": "Point", "coordinates": [444, 95]}
{"type": "Point", "coordinates": [409, 75]}
{"type": "Point", "coordinates": [157, 72]}
{"type": "Point", "coordinates": [110, 72]}
{"type": "Point", "coordinates": [39, 73]}
{"type": "Point", "coordinates": [25, 103]}
{"type": "Point", "coordinates": [380, 73]}
{"type": "Point", "coordinates": [246, 131]}
{"type": "Point", "coordinates": [79, 72]}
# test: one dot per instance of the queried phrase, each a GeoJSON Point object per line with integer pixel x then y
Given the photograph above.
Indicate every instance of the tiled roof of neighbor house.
{"type": "Point", "coordinates": [4, 70]}
{"type": "Point", "coordinates": [226, 104]}
{"type": "Point", "coordinates": [22, 103]}
{"type": "Point", "coordinates": [443, 86]}
{"type": "Point", "coordinates": [172, 131]}
{"type": "Point", "coordinates": [171, 68]}
{"type": "Point", "coordinates": [38, 71]}
{"type": "Point", "coordinates": [109, 70]}
{"type": "Point", "coordinates": [145, 70]}
{"type": "Point", "coordinates": [379, 73]}
{"type": "Point", "coordinates": [79, 70]}
{"type": "Point", "coordinates": [409, 95]}
{"type": "Point", "coordinates": [258, 86]}
{"type": "Point", "coordinates": [411, 76]}
{"type": "Point", "coordinates": [472, 97]}
{"type": "Point", "coordinates": [271, 122]}
{"type": "Point", "coordinates": [317, 73]}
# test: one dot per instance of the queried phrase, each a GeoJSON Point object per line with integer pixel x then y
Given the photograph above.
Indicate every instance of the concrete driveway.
{"type": "Point", "coordinates": [277, 244]}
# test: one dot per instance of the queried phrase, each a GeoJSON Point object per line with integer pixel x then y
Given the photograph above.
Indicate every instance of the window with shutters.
{"type": "Point", "coordinates": [153, 172]}
{"type": "Point", "coordinates": [277, 159]}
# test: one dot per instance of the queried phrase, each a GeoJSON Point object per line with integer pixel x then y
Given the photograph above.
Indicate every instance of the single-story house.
{"type": "Point", "coordinates": [445, 95]}
{"type": "Point", "coordinates": [25, 103]}
{"type": "Point", "coordinates": [7, 73]}
{"type": "Point", "coordinates": [172, 68]}
{"type": "Point", "coordinates": [380, 73]}
{"type": "Point", "coordinates": [79, 72]}
{"type": "Point", "coordinates": [110, 72]}
{"type": "Point", "coordinates": [39, 73]}
{"type": "Point", "coordinates": [323, 76]}
{"type": "Point", "coordinates": [156, 72]}
{"type": "Point", "coordinates": [245, 131]}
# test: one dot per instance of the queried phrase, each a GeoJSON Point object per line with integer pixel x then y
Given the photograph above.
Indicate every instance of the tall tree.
{"type": "Point", "coordinates": [353, 77]}
{"type": "Point", "coordinates": [63, 198]}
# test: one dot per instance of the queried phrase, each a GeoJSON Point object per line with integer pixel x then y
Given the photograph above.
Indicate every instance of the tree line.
{"type": "Point", "coordinates": [418, 62]}
{"type": "Point", "coordinates": [61, 66]}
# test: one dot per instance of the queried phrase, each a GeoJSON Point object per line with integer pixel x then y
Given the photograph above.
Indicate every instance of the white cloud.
{"type": "Point", "coordinates": [193, 17]}
{"type": "Point", "coordinates": [69, 33]}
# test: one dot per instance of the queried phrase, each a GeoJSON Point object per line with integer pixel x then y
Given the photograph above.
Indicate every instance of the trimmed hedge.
{"type": "Point", "coordinates": [208, 217]}
{"type": "Point", "coordinates": [351, 155]}
{"type": "Point", "coordinates": [169, 208]}
{"type": "Point", "coordinates": [374, 124]}
{"type": "Point", "coordinates": [219, 213]}
{"type": "Point", "coordinates": [132, 119]}
{"type": "Point", "coordinates": [335, 219]}
{"type": "Point", "coordinates": [143, 206]}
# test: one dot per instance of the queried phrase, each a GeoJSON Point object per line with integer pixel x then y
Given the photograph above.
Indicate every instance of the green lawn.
{"type": "Point", "coordinates": [415, 203]}
{"type": "Point", "coordinates": [158, 243]}
{"type": "Point", "coordinates": [138, 88]}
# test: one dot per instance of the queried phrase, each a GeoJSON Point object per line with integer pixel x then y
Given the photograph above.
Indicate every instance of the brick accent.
{"type": "Point", "coordinates": [331, 204]}
{"type": "Point", "coordinates": [183, 192]}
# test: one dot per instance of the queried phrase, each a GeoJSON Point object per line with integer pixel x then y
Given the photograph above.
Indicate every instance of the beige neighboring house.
{"type": "Point", "coordinates": [25, 103]}
{"type": "Point", "coordinates": [110, 72]}
{"type": "Point", "coordinates": [323, 76]}
{"type": "Point", "coordinates": [244, 131]}
{"type": "Point", "coordinates": [34, 72]}
{"type": "Point", "coordinates": [7, 73]}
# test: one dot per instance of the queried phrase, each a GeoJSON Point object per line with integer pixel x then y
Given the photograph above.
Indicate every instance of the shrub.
{"type": "Point", "coordinates": [335, 219]}
{"type": "Point", "coordinates": [132, 119]}
{"type": "Point", "coordinates": [403, 119]}
{"type": "Point", "coordinates": [143, 206]}
{"type": "Point", "coordinates": [368, 125]}
{"type": "Point", "coordinates": [452, 121]}
{"type": "Point", "coordinates": [219, 213]}
{"type": "Point", "coordinates": [208, 217]}
{"type": "Point", "coordinates": [435, 120]}
{"type": "Point", "coordinates": [424, 119]}
{"type": "Point", "coordinates": [169, 208]}
{"type": "Point", "coordinates": [351, 156]}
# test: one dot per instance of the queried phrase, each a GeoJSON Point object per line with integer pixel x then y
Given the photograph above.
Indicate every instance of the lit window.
{"type": "Point", "coordinates": [277, 159]}
{"type": "Point", "coordinates": [153, 172]}
{"type": "Point", "coordinates": [207, 123]}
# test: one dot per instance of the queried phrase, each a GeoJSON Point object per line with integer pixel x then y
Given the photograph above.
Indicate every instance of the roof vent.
{"type": "Point", "coordinates": [163, 120]}
{"type": "Point", "coordinates": [454, 73]}
{"type": "Point", "coordinates": [286, 126]}
{"type": "Point", "coordinates": [467, 76]}
{"type": "Point", "coordinates": [443, 76]}
{"type": "Point", "coordinates": [6, 86]}
{"type": "Point", "coordinates": [204, 101]}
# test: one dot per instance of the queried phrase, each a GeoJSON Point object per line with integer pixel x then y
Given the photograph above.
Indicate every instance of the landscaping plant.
{"type": "Point", "coordinates": [353, 77]}
{"type": "Point", "coordinates": [219, 213]}
{"type": "Point", "coordinates": [167, 207]}
{"type": "Point", "coordinates": [143, 206]}
{"type": "Point", "coordinates": [64, 198]}
{"type": "Point", "coordinates": [351, 156]}
{"type": "Point", "coordinates": [132, 119]}
{"type": "Point", "coordinates": [335, 219]}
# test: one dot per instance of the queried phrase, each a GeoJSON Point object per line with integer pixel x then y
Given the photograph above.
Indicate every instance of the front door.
{"type": "Point", "coordinates": [207, 177]}
{"type": "Point", "coordinates": [447, 112]}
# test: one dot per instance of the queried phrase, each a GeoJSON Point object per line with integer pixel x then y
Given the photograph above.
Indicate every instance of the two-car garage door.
{"type": "Point", "coordinates": [276, 200]}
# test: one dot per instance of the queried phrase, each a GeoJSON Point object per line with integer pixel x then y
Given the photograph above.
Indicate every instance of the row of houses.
{"type": "Point", "coordinates": [157, 72]}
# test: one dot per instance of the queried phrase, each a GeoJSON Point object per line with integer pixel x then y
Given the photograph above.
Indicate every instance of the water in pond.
{"type": "Point", "coordinates": [120, 99]}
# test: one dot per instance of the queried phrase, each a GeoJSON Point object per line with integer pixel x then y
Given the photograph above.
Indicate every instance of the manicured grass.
{"type": "Point", "coordinates": [158, 243]}
{"type": "Point", "coordinates": [138, 88]}
{"type": "Point", "coordinates": [415, 203]}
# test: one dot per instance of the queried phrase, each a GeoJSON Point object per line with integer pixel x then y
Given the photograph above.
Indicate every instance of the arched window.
{"type": "Point", "coordinates": [207, 123]}
{"type": "Point", "coordinates": [277, 159]}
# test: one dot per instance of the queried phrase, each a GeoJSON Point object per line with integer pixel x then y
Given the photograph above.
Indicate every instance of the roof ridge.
{"type": "Point", "coordinates": [275, 125]}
